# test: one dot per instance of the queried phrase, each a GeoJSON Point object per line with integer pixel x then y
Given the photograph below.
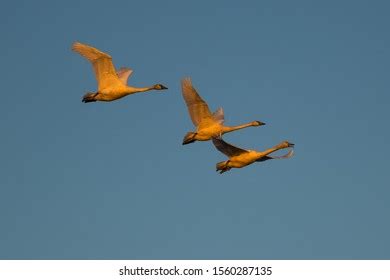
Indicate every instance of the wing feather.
{"type": "Point", "coordinates": [227, 148]}
{"type": "Point", "coordinates": [197, 107]}
{"type": "Point", "coordinates": [124, 74]}
{"type": "Point", "coordinates": [102, 65]}
{"type": "Point", "coordinates": [218, 116]}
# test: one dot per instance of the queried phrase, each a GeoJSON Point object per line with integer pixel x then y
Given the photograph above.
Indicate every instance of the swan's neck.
{"type": "Point", "coordinates": [130, 90]}
{"type": "Point", "coordinates": [237, 127]}
{"type": "Point", "coordinates": [270, 150]}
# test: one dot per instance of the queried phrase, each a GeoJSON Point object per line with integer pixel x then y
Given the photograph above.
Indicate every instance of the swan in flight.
{"type": "Point", "coordinates": [208, 125]}
{"type": "Point", "coordinates": [239, 157]}
{"type": "Point", "coordinates": [112, 84]}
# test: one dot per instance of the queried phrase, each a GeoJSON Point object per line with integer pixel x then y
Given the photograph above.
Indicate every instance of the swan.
{"type": "Point", "coordinates": [208, 125]}
{"type": "Point", "coordinates": [239, 157]}
{"type": "Point", "coordinates": [112, 84]}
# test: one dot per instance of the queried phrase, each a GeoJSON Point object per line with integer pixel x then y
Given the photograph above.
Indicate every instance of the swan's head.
{"type": "Point", "coordinates": [159, 87]}
{"type": "Point", "coordinates": [223, 166]}
{"type": "Point", "coordinates": [257, 123]}
{"type": "Point", "coordinates": [189, 138]}
{"type": "Point", "coordinates": [286, 144]}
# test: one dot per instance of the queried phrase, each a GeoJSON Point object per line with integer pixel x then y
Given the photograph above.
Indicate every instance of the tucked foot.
{"type": "Point", "coordinates": [90, 97]}
{"type": "Point", "coordinates": [223, 167]}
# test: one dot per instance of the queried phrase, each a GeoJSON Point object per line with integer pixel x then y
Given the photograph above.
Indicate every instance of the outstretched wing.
{"type": "Point", "coordinates": [102, 65]}
{"type": "Point", "coordinates": [218, 116]}
{"type": "Point", "coordinates": [124, 74]}
{"type": "Point", "coordinates": [288, 155]}
{"type": "Point", "coordinates": [226, 148]}
{"type": "Point", "coordinates": [197, 108]}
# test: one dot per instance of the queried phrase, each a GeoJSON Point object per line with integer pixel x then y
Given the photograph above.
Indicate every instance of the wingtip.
{"type": "Point", "coordinates": [290, 153]}
{"type": "Point", "coordinates": [75, 44]}
{"type": "Point", "coordinates": [186, 81]}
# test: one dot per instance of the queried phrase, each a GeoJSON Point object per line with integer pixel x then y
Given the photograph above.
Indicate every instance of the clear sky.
{"type": "Point", "coordinates": [112, 180]}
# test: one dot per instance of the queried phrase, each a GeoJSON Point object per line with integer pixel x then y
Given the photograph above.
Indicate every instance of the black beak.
{"type": "Point", "coordinates": [163, 87]}
{"type": "Point", "coordinates": [291, 145]}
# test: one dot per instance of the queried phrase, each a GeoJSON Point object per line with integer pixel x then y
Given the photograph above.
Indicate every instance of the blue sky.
{"type": "Point", "coordinates": [112, 180]}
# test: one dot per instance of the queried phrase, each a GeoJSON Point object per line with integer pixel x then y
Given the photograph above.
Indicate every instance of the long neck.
{"type": "Point", "coordinates": [131, 90]}
{"type": "Point", "coordinates": [237, 127]}
{"type": "Point", "coordinates": [271, 150]}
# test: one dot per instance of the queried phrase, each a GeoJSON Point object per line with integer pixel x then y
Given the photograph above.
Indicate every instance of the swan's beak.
{"type": "Point", "coordinates": [163, 87]}
{"type": "Point", "coordinates": [291, 145]}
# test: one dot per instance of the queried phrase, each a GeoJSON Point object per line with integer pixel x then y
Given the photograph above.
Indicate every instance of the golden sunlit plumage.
{"type": "Point", "coordinates": [112, 84]}
{"type": "Point", "coordinates": [208, 125]}
{"type": "Point", "coordinates": [239, 157]}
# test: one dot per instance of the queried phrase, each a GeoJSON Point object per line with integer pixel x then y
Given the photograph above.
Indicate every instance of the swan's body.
{"type": "Point", "coordinates": [208, 125]}
{"type": "Point", "coordinates": [112, 84]}
{"type": "Point", "coordinates": [239, 157]}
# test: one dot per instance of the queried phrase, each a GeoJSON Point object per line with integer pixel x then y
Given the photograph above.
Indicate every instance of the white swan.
{"type": "Point", "coordinates": [112, 85]}
{"type": "Point", "coordinates": [239, 157]}
{"type": "Point", "coordinates": [208, 125]}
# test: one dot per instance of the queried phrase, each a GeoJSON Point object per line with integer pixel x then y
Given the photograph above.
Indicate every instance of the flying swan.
{"type": "Point", "coordinates": [112, 84]}
{"type": "Point", "coordinates": [239, 157]}
{"type": "Point", "coordinates": [208, 125]}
